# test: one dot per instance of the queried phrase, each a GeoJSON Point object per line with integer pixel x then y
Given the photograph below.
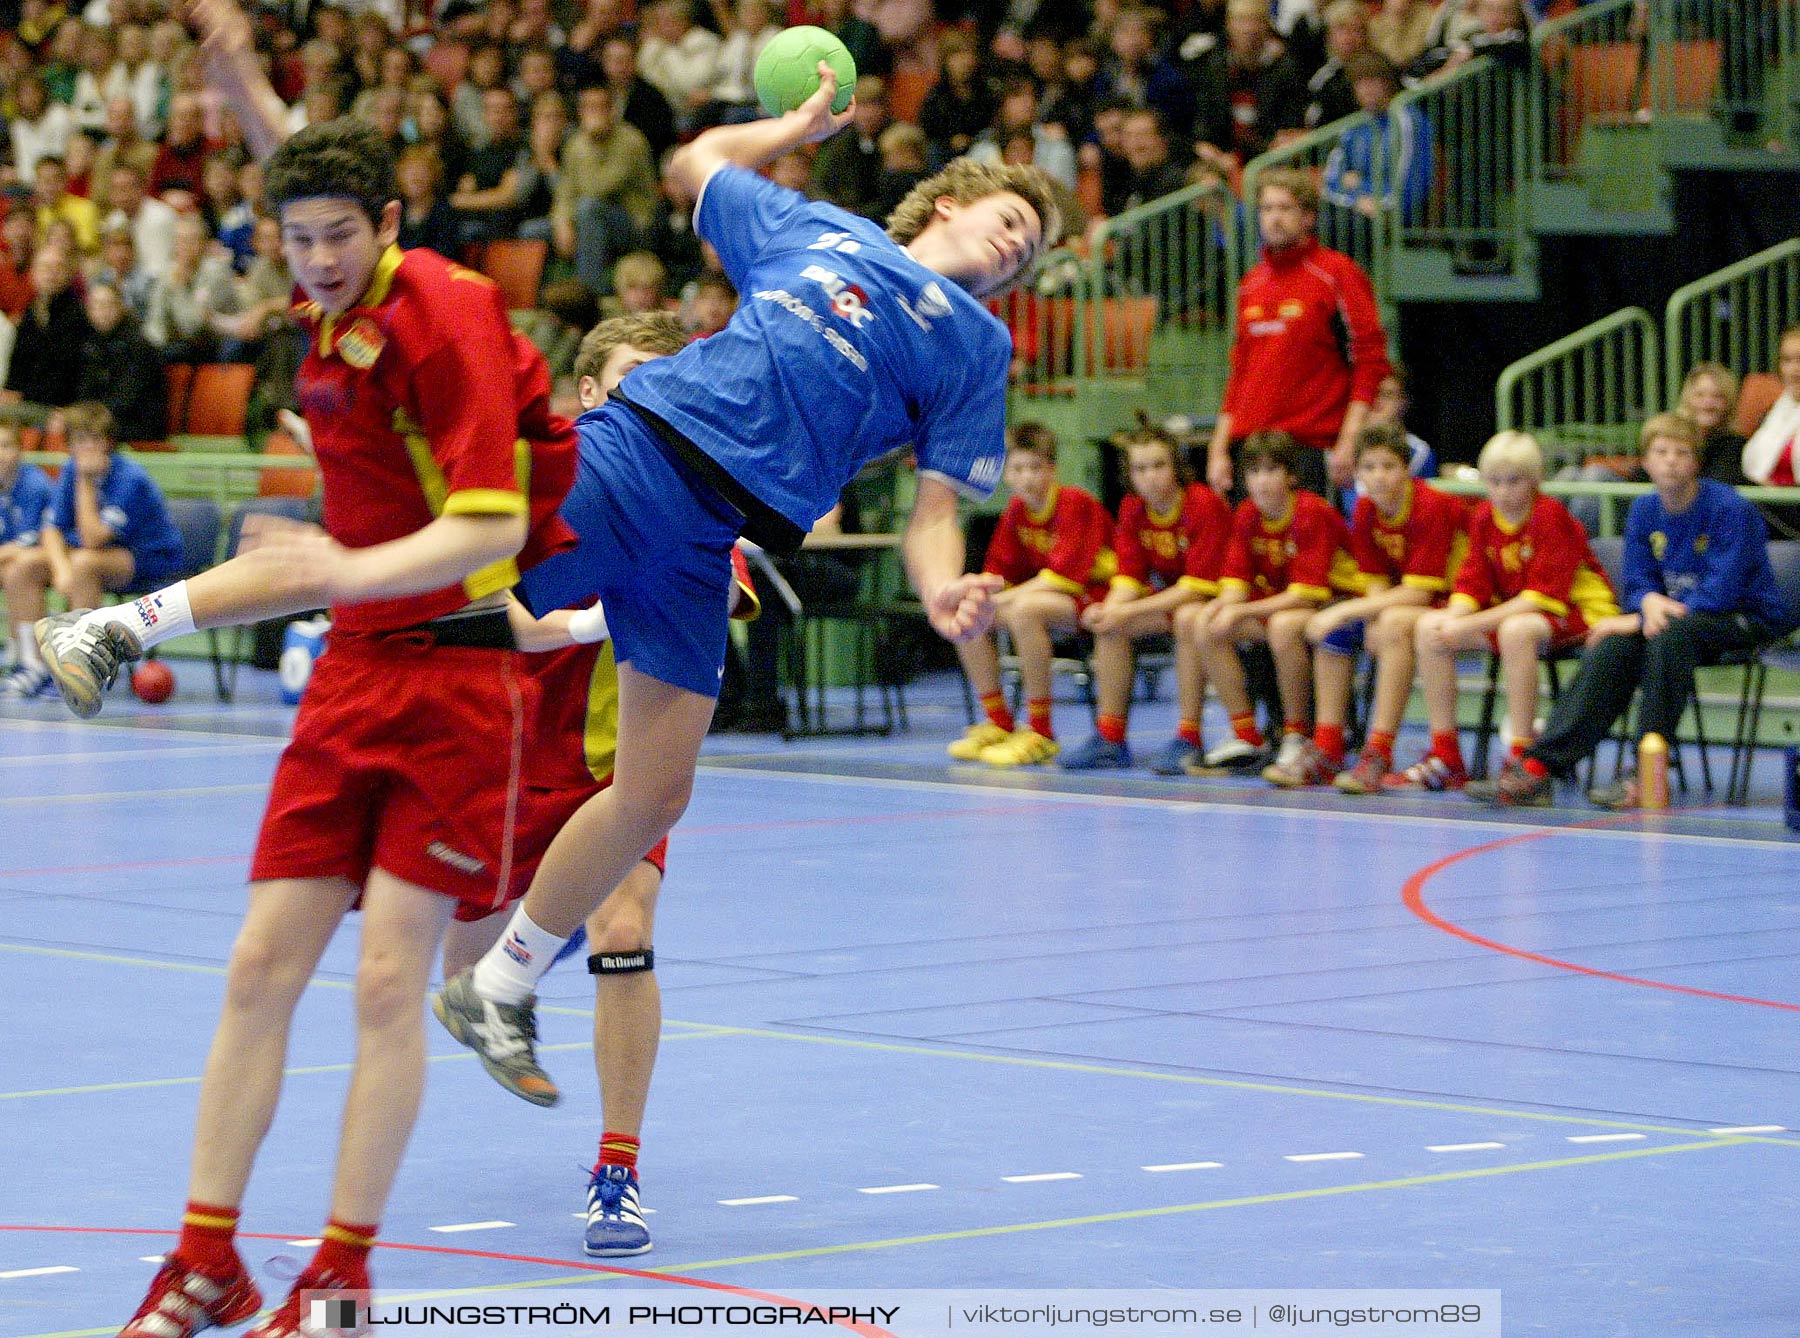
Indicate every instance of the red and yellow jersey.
{"type": "Point", "coordinates": [1306, 550]}
{"type": "Point", "coordinates": [424, 402]}
{"type": "Point", "coordinates": [1186, 546]}
{"type": "Point", "coordinates": [1546, 559]}
{"type": "Point", "coordinates": [1069, 542]}
{"type": "Point", "coordinates": [1422, 547]}
{"type": "Point", "coordinates": [575, 735]}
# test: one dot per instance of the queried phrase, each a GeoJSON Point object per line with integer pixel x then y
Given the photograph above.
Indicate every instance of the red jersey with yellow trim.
{"type": "Point", "coordinates": [424, 402]}
{"type": "Point", "coordinates": [1547, 559]}
{"type": "Point", "coordinates": [1187, 545]}
{"type": "Point", "coordinates": [1306, 551]}
{"type": "Point", "coordinates": [1422, 547]}
{"type": "Point", "coordinates": [1069, 541]}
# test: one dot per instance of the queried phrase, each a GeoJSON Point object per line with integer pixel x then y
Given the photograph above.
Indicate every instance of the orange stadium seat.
{"type": "Point", "coordinates": [517, 265]}
{"type": "Point", "coordinates": [906, 90]}
{"type": "Point", "coordinates": [286, 482]}
{"type": "Point", "coordinates": [219, 400]}
{"type": "Point", "coordinates": [1759, 391]}
{"type": "Point", "coordinates": [181, 378]}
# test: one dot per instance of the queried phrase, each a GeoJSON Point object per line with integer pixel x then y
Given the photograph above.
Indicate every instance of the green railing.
{"type": "Point", "coordinates": [1589, 65]}
{"type": "Point", "coordinates": [225, 477]}
{"type": "Point", "coordinates": [1734, 316]}
{"type": "Point", "coordinates": [1589, 391]}
{"type": "Point", "coordinates": [1730, 58]}
{"type": "Point", "coordinates": [1477, 208]}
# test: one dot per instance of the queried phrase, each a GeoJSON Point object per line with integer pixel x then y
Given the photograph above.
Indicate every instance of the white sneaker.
{"type": "Point", "coordinates": [1292, 751]}
{"type": "Point", "coordinates": [24, 683]}
{"type": "Point", "coordinates": [1234, 755]}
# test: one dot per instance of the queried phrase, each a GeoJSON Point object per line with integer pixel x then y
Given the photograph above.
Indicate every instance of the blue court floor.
{"type": "Point", "coordinates": [931, 1025]}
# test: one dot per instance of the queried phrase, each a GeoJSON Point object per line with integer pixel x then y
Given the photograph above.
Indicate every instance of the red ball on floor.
{"type": "Point", "coordinates": [153, 681]}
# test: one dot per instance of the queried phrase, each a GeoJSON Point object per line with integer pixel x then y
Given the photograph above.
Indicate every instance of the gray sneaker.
{"type": "Point", "coordinates": [503, 1037]}
{"type": "Point", "coordinates": [84, 658]}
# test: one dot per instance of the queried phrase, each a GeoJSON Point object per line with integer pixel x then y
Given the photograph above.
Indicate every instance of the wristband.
{"type": "Point", "coordinates": [588, 625]}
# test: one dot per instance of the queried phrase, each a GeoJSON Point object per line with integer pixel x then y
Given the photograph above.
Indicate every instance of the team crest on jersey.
{"type": "Point", "coordinates": [360, 343]}
{"type": "Point", "coordinates": [848, 302]}
{"type": "Point", "coordinates": [1292, 309]}
{"type": "Point", "coordinates": [1659, 544]}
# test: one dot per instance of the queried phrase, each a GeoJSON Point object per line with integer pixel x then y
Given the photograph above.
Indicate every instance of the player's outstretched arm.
{"type": "Point", "coordinates": [959, 605]}
{"type": "Point", "coordinates": [233, 69]}
{"type": "Point", "coordinates": [756, 144]}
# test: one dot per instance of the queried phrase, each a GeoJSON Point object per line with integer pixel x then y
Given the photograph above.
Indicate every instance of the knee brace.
{"type": "Point", "coordinates": [621, 963]}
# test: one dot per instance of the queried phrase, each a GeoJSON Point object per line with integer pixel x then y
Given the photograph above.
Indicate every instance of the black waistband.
{"type": "Point", "coordinates": [477, 629]}
{"type": "Point", "coordinates": [762, 523]}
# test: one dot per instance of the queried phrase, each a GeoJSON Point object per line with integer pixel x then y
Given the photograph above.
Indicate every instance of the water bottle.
{"type": "Point", "coordinates": [301, 644]}
{"type": "Point", "coordinates": [1653, 772]}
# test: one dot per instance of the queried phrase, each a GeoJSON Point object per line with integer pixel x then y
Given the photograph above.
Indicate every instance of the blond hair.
{"type": "Point", "coordinates": [635, 267]}
{"type": "Point", "coordinates": [1675, 425]}
{"type": "Point", "coordinates": [90, 418]}
{"type": "Point", "coordinates": [1718, 371]}
{"type": "Point", "coordinates": [655, 332]}
{"type": "Point", "coordinates": [1512, 451]}
{"type": "Point", "coordinates": [1295, 181]}
{"type": "Point", "coordinates": [966, 181]}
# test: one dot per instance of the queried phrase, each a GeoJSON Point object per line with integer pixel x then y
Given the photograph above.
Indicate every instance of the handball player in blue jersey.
{"type": "Point", "coordinates": [849, 342]}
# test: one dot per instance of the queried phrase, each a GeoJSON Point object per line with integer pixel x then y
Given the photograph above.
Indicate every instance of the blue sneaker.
{"type": "Point", "coordinates": [1173, 759]}
{"type": "Point", "coordinates": [615, 1223]}
{"type": "Point", "coordinates": [1098, 754]}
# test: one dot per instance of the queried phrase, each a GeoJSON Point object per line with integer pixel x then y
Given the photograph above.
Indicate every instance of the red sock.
{"type": "Point", "coordinates": [994, 703]}
{"type": "Point", "coordinates": [1299, 727]}
{"type": "Point", "coordinates": [1381, 743]}
{"type": "Point", "coordinates": [1111, 727]}
{"type": "Point", "coordinates": [1038, 708]}
{"type": "Point", "coordinates": [1189, 732]}
{"type": "Point", "coordinates": [1329, 739]}
{"type": "Point", "coordinates": [618, 1150]}
{"type": "Point", "coordinates": [344, 1252]}
{"type": "Point", "coordinates": [1244, 726]}
{"type": "Point", "coordinates": [1518, 748]}
{"type": "Point", "coordinates": [1533, 767]}
{"type": "Point", "coordinates": [206, 1239]}
{"type": "Point", "coordinates": [1447, 747]}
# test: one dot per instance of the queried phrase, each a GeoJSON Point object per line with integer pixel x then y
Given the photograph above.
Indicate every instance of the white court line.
{"type": "Point", "coordinates": [1201, 807]}
{"type": "Point", "coordinates": [1464, 1147]}
{"type": "Point", "coordinates": [895, 1189]}
{"type": "Point", "coordinates": [471, 1226]}
{"type": "Point", "coordinates": [1750, 1129]}
{"type": "Point", "coordinates": [39, 1272]}
{"type": "Point", "coordinates": [106, 796]}
{"type": "Point", "coordinates": [150, 1258]}
{"type": "Point", "coordinates": [36, 760]}
{"type": "Point", "coordinates": [766, 1198]}
{"type": "Point", "coordinates": [311, 1242]}
{"type": "Point", "coordinates": [1185, 1166]}
{"type": "Point", "coordinates": [1340, 1156]}
{"type": "Point", "coordinates": [1604, 1138]}
{"type": "Point", "coordinates": [1038, 1179]}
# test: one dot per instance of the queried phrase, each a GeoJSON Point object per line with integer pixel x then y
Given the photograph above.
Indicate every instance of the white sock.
{"type": "Point", "coordinates": [153, 618]}
{"type": "Point", "coordinates": [25, 646]}
{"type": "Point", "coordinates": [511, 970]}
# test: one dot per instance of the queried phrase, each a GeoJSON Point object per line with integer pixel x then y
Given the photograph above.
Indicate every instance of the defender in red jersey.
{"type": "Point", "coordinates": [1052, 550]}
{"type": "Point", "coordinates": [400, 792]}
{"type": "Point", "coordinates": [1529, 585]}
{"type": "Point", "coordinates": [1170, 543]}
{"type": "Point", "coordinates": [1408, 540]}
{"type": "Point", "coordinates": [1289, 555]}
{"type": "Point", "coordinates": [573, 740]}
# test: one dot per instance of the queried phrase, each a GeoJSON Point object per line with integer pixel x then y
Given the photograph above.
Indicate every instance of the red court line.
{"type": "Point", "coordinates": [1413, 894]}
{"type": "Point", "coordinates": [705, 1284]}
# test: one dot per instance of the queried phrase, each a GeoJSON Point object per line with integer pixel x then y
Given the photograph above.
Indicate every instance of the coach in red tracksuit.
{"type": "Point", "coordinates": [1309, 352]}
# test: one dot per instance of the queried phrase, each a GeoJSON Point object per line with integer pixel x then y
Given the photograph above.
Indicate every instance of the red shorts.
{"type": "Point", "coordinates": [541, 817]}
{"type": "Point", "coordinates": [1567, 631]}
{"type": "Point", "coordinates": [406, 757]}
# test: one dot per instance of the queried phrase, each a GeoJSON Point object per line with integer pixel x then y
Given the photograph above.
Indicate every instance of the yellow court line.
{"type": "Point", "coordinates": [1094, 1219]}
{"type": "Point", "coordinates": [711, 1030]}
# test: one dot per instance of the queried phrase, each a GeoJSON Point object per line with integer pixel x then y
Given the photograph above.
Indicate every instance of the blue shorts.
{"type": "Point", "coordinates": [1345, 639]}
{"type": "Point", "coordinates": [654, 544]}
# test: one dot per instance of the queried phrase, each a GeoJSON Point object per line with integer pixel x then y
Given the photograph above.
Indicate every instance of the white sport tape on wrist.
{"type": "Point", "coordinates": [588, 625]}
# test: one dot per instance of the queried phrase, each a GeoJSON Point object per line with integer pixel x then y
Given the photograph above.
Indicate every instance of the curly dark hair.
{"type": "Point", "coordinates": [342, 158]}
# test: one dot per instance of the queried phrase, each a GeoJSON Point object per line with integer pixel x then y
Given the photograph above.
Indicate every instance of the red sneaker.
{"type": "Point", "coordinates": [303, 1314]}
{"type": "Point", "coordinates": [182, 1302]}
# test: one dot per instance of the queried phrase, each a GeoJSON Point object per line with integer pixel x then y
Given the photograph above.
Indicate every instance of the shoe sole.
{"type": "Point", "coordinates": [453, 1023]}
{"type": "Point", "coordinates": [81, 694]}
{"type": "Point", "coordinates": [611, 1253]}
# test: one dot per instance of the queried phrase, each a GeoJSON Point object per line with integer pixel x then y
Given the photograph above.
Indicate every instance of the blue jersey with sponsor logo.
{"type": "Point", "coordinates": [132, 507]}
{"type": "Point", "coordinates": [23, 505]}
{"type": "Point", "coordinates": [842, 349]}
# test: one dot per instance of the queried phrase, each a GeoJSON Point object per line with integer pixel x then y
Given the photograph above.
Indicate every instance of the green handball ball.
{"type": "Point", "coordinates": [787, 71]}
